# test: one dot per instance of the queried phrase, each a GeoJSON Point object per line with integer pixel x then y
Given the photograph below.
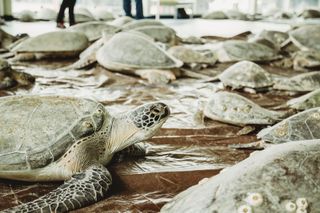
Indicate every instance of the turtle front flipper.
{"type": "Point", "coordinates": [135, 150]}
{"type": "Point", "coordinates": [82, 189]}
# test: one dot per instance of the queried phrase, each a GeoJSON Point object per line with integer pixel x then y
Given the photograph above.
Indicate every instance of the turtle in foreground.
{"type": "Point", "coordinates": [62, 138]}
{"type": "Point", "coordinates": [10, 78]}
{"type": "Point", "coordinates": [305, 82]}
{"type": "Point", "coordinates": [237, 50]}
{"type": "Point", "coordinates": [235, 109]}
{"type": "Point", "coordinates": [129, 52]}
{"type": "Point", "coordinates": [51, 45]}
{"type": "Point", "coordinates": [283, 178]}
{"type": "Point", "coordinates": [246, 75]}
{"type": "Point", "coordinates": [307, 101]}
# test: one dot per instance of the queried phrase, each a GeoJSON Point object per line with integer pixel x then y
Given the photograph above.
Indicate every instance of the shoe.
{"type": "Point", "coordinates": [182, 14]}
{"type": "Point", "coordinates": [61, 25]}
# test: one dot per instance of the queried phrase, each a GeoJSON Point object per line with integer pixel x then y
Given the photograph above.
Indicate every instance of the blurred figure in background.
{"type": "Point", "coordinates": [70, 4]}
{"type": "Point", "coordinates": [139, 8]}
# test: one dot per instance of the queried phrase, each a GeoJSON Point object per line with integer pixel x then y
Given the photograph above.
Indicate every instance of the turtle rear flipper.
{"type": "Point", "coordinates": [82, 189]}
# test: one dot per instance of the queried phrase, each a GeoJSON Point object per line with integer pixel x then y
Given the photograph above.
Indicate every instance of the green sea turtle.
{"type": "Point", "coordinates": [192, 57]}
{"type": "Point", "coordinates": [309, 13]}
{"type": "Point", "coordinates": [93, 30]}
{"type": "Point", "coordinates": [10, 78]}
{"type": "Point", "coordinates": [283, 178]}
{"type": "Point", "coordinates": [302, 126]}
{"type": "Point", "coordinates": [51, 45]}
{"type": "Point", "coordinates": [307, 101]}
{"type": "Point", "coordinates": [141, 23]}
{"type": "Point", "coordinates": [237, 50]}
{"type": "Point", "coordinates": [235, 109]}
{"type": "Point", "coordinates": [118, 22]}
{"type": "Point", "coordinates": [215, 15]}
{"type": "Point", "coordinates": [270, 38]}
{"type": "Point", "coordinates": [25, 15]}
{"type": "Point", "coordinates": [54, 138]}
{"type": "Point", "coordinates": [103, 14]}
{"type": "Point", "coordinates": [306, 60]}
{"type": "Point", "coordinates": [304, 82]}
{"type": "Point", "coordinates": [311, 42]}
{"type": "Point", "coordinates": [246, 75]}
{"type": "Point", "coordinates": [129, 52]}
{"type": "Point", "coordinates": [46, 14]}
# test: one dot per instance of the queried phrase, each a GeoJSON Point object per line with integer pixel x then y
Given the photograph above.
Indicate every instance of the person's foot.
{"type": "Point", "coordinates": [60, 25]}
{"type": "Point", "coordinates": [182, 14]}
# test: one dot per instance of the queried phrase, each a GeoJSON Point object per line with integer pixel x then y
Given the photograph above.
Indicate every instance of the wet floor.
{"type": "Point", "coordinates": [187, 149]}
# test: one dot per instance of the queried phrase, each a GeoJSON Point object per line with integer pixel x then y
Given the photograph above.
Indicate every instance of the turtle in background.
{"type": "Point", "coordinates": [10, 78]}
{"type": "Point", "coordinates": [51, 45]}
{"type": "Point", "coordinates": [76, 144]}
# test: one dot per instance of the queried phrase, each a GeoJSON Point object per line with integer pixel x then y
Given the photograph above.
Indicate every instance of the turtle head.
{"type": "Point", "coordinates": [138, 125]}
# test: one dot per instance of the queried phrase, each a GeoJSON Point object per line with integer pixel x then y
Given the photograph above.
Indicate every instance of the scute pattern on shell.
{"type": "Point", "coordinates": [271, 173]}
{"type": "Point", "coordinates": [302, 126]}
{"type": "Point", "coordinates": [246, 74]}
{"type": "Point", "coordinates": [33, 128]}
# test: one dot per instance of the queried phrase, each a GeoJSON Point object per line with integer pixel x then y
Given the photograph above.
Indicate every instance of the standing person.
{"type": "Point", "coordinates": [139, 8]}
{"type": "Point", "coordinates": [70, 4]}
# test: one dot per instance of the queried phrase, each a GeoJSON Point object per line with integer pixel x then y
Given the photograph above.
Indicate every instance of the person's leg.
{"type": "Point", "coordinates": [71, 12]}
{"type": "Point", "coordinates": [139, 9]}
{"type": "Point", "coordinates": [60, 16]}
{"type": "Point", "coordinates": [127, 7]}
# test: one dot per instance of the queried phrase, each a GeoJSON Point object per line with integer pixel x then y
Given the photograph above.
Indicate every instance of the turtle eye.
{"type": "Point", "coordinates": [99, 111]}
{"type": "Point", "coordinates": [156, 111]}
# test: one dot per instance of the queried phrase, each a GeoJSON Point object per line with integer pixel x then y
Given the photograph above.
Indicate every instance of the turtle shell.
{"type": "Point", "coordinates": [302, 126]}
{"type": "Point", "coordinates": [235, 109]}
{"type": "Point", "coordinates": [141, 23]}
{"type": "Point", "coordinates": [93, 30]}
{"type": "Point", "coordinates": [246, 74]}
{"type": "Point", "coordinates": [300, 83]}
{"type": "Point", "coordinates": [37, 130]}
{"type": "Point", "coordinates": [131, 51]}
{"type": "Point", "coordinates": [307, 101]}
{"type": "Point", "coordinates": [306, 37]}
{"type": "Point", "coordinates": [158, 33]}
{"type": "Point", "coordinates": [58, 41]}
{"type": "Point", "coordinates": [237, 50]}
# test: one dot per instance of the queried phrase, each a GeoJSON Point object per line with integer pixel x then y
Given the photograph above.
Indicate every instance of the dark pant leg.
{"type": "Point", "coordinates": [139, 9]}
{"type": "Point", "coordinates": [127, 7]}
{"type": "Point", "coordinates": [71, 12]}
{"type": "Point", "coordinates": [63, 7]}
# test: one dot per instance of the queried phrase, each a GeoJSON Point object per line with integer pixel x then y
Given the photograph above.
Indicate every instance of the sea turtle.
{"type": "Point", "coordinates": [237, 50]}
{"type": "Point", "coordinates": [54, 138]}
{"type": "Point", "coordinates": [235, 109]}
{"type": "Point", "coordinates": [119, 22]}
{"type": "Point", "coordinates": [276, 38]}
{"type": "Point", "coordinates": [306, 60]}
{"type": "Point", "coordinates": [159, 33]}
{"type": "Point", "coordinates": [235, 14]}
{"type": "Point", "coordinates": [128, 52]}
{"type": "Point", "coordinates": [307, 101]}
{"type": "Point", "coordinates": [93, 30]}
{"type": "Point", "coordinates": [301, 126]}
{"type": "Point", "coordinates": [81, 14]}
{"type": "Point", "coordinates": [309, 13]}
{"type": "Point", "coordinates": [215, 15]}
{"type": "Point", "coordinates": [192, 57]}
{"type": "Point", "coordinates": [247, 75]}
{"type": "Point", "coordinates": [303, 42]}
{"type": "Point", "coordinates": [304, 82]}
{"type": "Point", "coordinates": [283, 178]}
{"type": "Point", "coordinates": [25, 15]}
{"type": "Point", "coordinates": [6, 39]}
{"type": "Point", "coordinates": [10, 78]}
{"type": "Point", "coordinates": [103, 14]}
{"type": "Point", "coordinates": [58, 44]}
{"type": "Point", "coordinates": [141, 23]}
{"type": "Point", "coordinates": [46, 14]}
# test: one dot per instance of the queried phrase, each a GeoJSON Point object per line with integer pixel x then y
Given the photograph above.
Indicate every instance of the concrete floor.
{"type": "Point", "coordinates": [184, 28]}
